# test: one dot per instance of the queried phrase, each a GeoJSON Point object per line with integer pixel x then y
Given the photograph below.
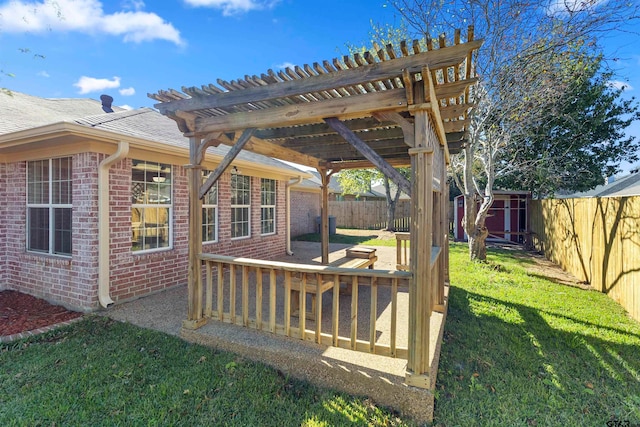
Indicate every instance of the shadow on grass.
{"type": "Point", "coordinates": [509, 363]}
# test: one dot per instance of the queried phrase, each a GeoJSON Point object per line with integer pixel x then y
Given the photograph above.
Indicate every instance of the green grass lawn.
{"type": "Point", "coordinates": [367, 239]}
{"type": "Point", "coordinates": [518, 350]}
{"type": "Point", "coordinates": [521, 350]}
{"type": "Point", "coordinates": [102, 372]}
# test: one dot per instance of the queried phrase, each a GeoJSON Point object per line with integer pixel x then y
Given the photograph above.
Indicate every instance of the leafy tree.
{"type": "Point", "coordinates": [355, 181]}
{"type": "Point", "coordinates": [530, 56]}
{"type": "Point", "coordinates": [580, 143]}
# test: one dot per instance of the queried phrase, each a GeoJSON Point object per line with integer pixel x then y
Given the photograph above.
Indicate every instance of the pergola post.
{"type": "Point", "coordinates": [195, 317]}
{"type": "Point", "coordinates": [324, 215]}
{"type": "Point", "coordinates": [439, 233]}
{"type": "Point", "coordinates": [418, 366]}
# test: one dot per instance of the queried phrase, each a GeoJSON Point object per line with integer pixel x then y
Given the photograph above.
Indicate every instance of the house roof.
{"type": "Point", "coordinates": [21, 112]}
{"type": "Point", "coordinates": [625, 186]}
{"type": "Point", "coordinates": [147, 123]}
{"type": "Point", "coordinates": [379, 189]}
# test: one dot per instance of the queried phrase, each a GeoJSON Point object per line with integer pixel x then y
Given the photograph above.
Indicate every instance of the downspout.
{"type": "Point", "coordinates": [104, 235]}
{"type": "Point", "coordinates": [288, 213]}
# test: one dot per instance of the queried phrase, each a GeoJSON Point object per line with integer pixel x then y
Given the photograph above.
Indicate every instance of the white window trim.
{"type": "Point", "coordinates": [156, 206]}
{"type": "Point", "coordinates": [275, 195]}
{"type": "Point", "coordinates": [215, 208]}
{"type": "Point", "coordinates": [247, 207]}
{"type": "Point", "coordinates": [51, 206]}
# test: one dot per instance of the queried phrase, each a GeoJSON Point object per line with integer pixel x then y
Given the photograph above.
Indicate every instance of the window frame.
{"type": "Point", "coordinates": [265, 206]}
{"type": "Point", "coordinates": [48, 201]}
{"type": "Point", "coordinates": [160, 180]}
{"type": "Point", "coordinates": [244, 206]}
{"type": "Point", "coordinates": [210, 207]}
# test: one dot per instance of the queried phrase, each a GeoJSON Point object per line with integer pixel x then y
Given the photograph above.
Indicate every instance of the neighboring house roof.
{"type": "Point", "coordinates": [625, 186]}
{"type": "Point", "coordinates": [21, 112]}
{"type": "Point", "coordinates": [379, 189]}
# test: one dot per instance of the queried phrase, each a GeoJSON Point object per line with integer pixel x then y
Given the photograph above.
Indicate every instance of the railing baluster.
{"type": "Point", "coordinates": [354, 311]}
{"type": "Point", "coordinates": [302, 312]}
{"type": "Point", "coordinates": [245, 295]}
{"type": "Point", "coordinates": [373, 314]}
{"type": "Point", "coordinates": [394, 315]}
{"type": "Point", "coordinates": [232, 292]}
{"type": "Point", "coordinates": [287, 303]}
{"type": "Point", "coordinates": [209, 291]}
{"type": "Point", "coordinates": [220, 291]}
{"type": "Point", "coordinates": [272, 300]}
{"type": "Point", "coordinates": [336, 309]}
{"type": "Point", "coordinates": [259, 298]}
{"type": "Point", "coordinates": [318, 307]}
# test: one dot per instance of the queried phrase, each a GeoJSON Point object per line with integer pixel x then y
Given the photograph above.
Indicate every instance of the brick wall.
{"type": "Point", "coordinates": [305, 207]}
{"type": "Point", "coordinates": [68, 281]}
{"type": "Point", "coordinates": [134, 275]}
{"type": "Point", "coordinates": [74, 281]}
{"type": "Point", "coordinates": [3, 226]}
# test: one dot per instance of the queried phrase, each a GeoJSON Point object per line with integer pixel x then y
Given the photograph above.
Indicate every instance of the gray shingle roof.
{"type": "Point", "coordinates": [628, 185]}
{"type": "Point", "coordinates": [20, 111]}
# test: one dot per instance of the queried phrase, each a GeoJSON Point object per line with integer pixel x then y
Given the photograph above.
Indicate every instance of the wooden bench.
{"type": "Point", "coordinates": [357, 257]}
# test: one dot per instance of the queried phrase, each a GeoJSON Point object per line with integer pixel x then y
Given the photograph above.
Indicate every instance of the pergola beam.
{"type": "Point", "coordinates": [357, 106]}
{"type": "Point", "coordinates": [269, 149]}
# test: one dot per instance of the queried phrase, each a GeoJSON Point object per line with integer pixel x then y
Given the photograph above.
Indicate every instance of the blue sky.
{"type": "Point", "coordinates": [83, 48]}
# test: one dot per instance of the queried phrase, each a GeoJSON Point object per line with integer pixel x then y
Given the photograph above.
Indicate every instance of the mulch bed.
{"type": "Point", "coordinates": [21, 312]}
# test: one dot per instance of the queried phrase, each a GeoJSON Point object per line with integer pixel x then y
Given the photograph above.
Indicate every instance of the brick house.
{"type": "Point", "coordinates": [95, 202]}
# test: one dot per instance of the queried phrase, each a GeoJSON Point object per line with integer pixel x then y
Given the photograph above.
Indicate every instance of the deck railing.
{"type": "Point", "coordinates": [363, 314]}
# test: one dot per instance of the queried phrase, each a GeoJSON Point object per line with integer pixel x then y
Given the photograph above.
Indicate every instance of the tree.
{"type": "Point", "coordinates": [515, 95]}
{"type": "Point", "coordinates": [579, 144]}
{"type": "Point", "coordinates": [355, 181]}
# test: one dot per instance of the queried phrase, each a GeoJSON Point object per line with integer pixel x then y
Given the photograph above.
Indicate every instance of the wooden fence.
{"type": "Point", "coordinates": [597, 240]}
{"type": "Point", "coordinates": [369, 214]}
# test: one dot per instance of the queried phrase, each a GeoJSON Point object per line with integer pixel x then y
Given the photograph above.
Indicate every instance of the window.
{"type": "Point", "coordinates": [268, 206]}
{"type": "Point", "coordinates": [210, 212]}
{"type": "Point", "coordinates": [240, 206]}
{"type": "Point", "coordinates": [151, 205]}
{"type": "Point", "coordinates": [49, 208]}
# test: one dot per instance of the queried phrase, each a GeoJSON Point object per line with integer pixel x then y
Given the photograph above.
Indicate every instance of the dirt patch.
{"type": "Point", "coordinates": [21, 312]}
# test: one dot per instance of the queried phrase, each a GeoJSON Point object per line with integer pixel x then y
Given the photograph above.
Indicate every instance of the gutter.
{"type": "Point", "coordinates": [288, 212]}
{"type": "Point", "coordinates": [104, 278]}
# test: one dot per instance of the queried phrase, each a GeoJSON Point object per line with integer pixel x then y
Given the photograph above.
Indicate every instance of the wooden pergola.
{"type": "Point", "coordinates": [396, 106]}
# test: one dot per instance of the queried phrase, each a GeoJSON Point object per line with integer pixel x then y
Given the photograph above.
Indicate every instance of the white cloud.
{"type": "Point", "coordinates": [232, 7]}
{"type": "Point", "coordinates": [91, 84]}
{"type": "Point", "coordinates": [617, 84]}
{"type": "Point", "coordinates": [126, 107]}
{"type": "Point", "coordinates": [133, 4]}
{"type": "Point", "coordinates": [285, 65]}
{"type": "Point", "coordinates": [86, 16]}
{"type": "Point", "coordinates": [127, 91]}
{"type": "Point", "coordinates": [43, 74]}
{"type": "Point", "coordinates": [573, 6]}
